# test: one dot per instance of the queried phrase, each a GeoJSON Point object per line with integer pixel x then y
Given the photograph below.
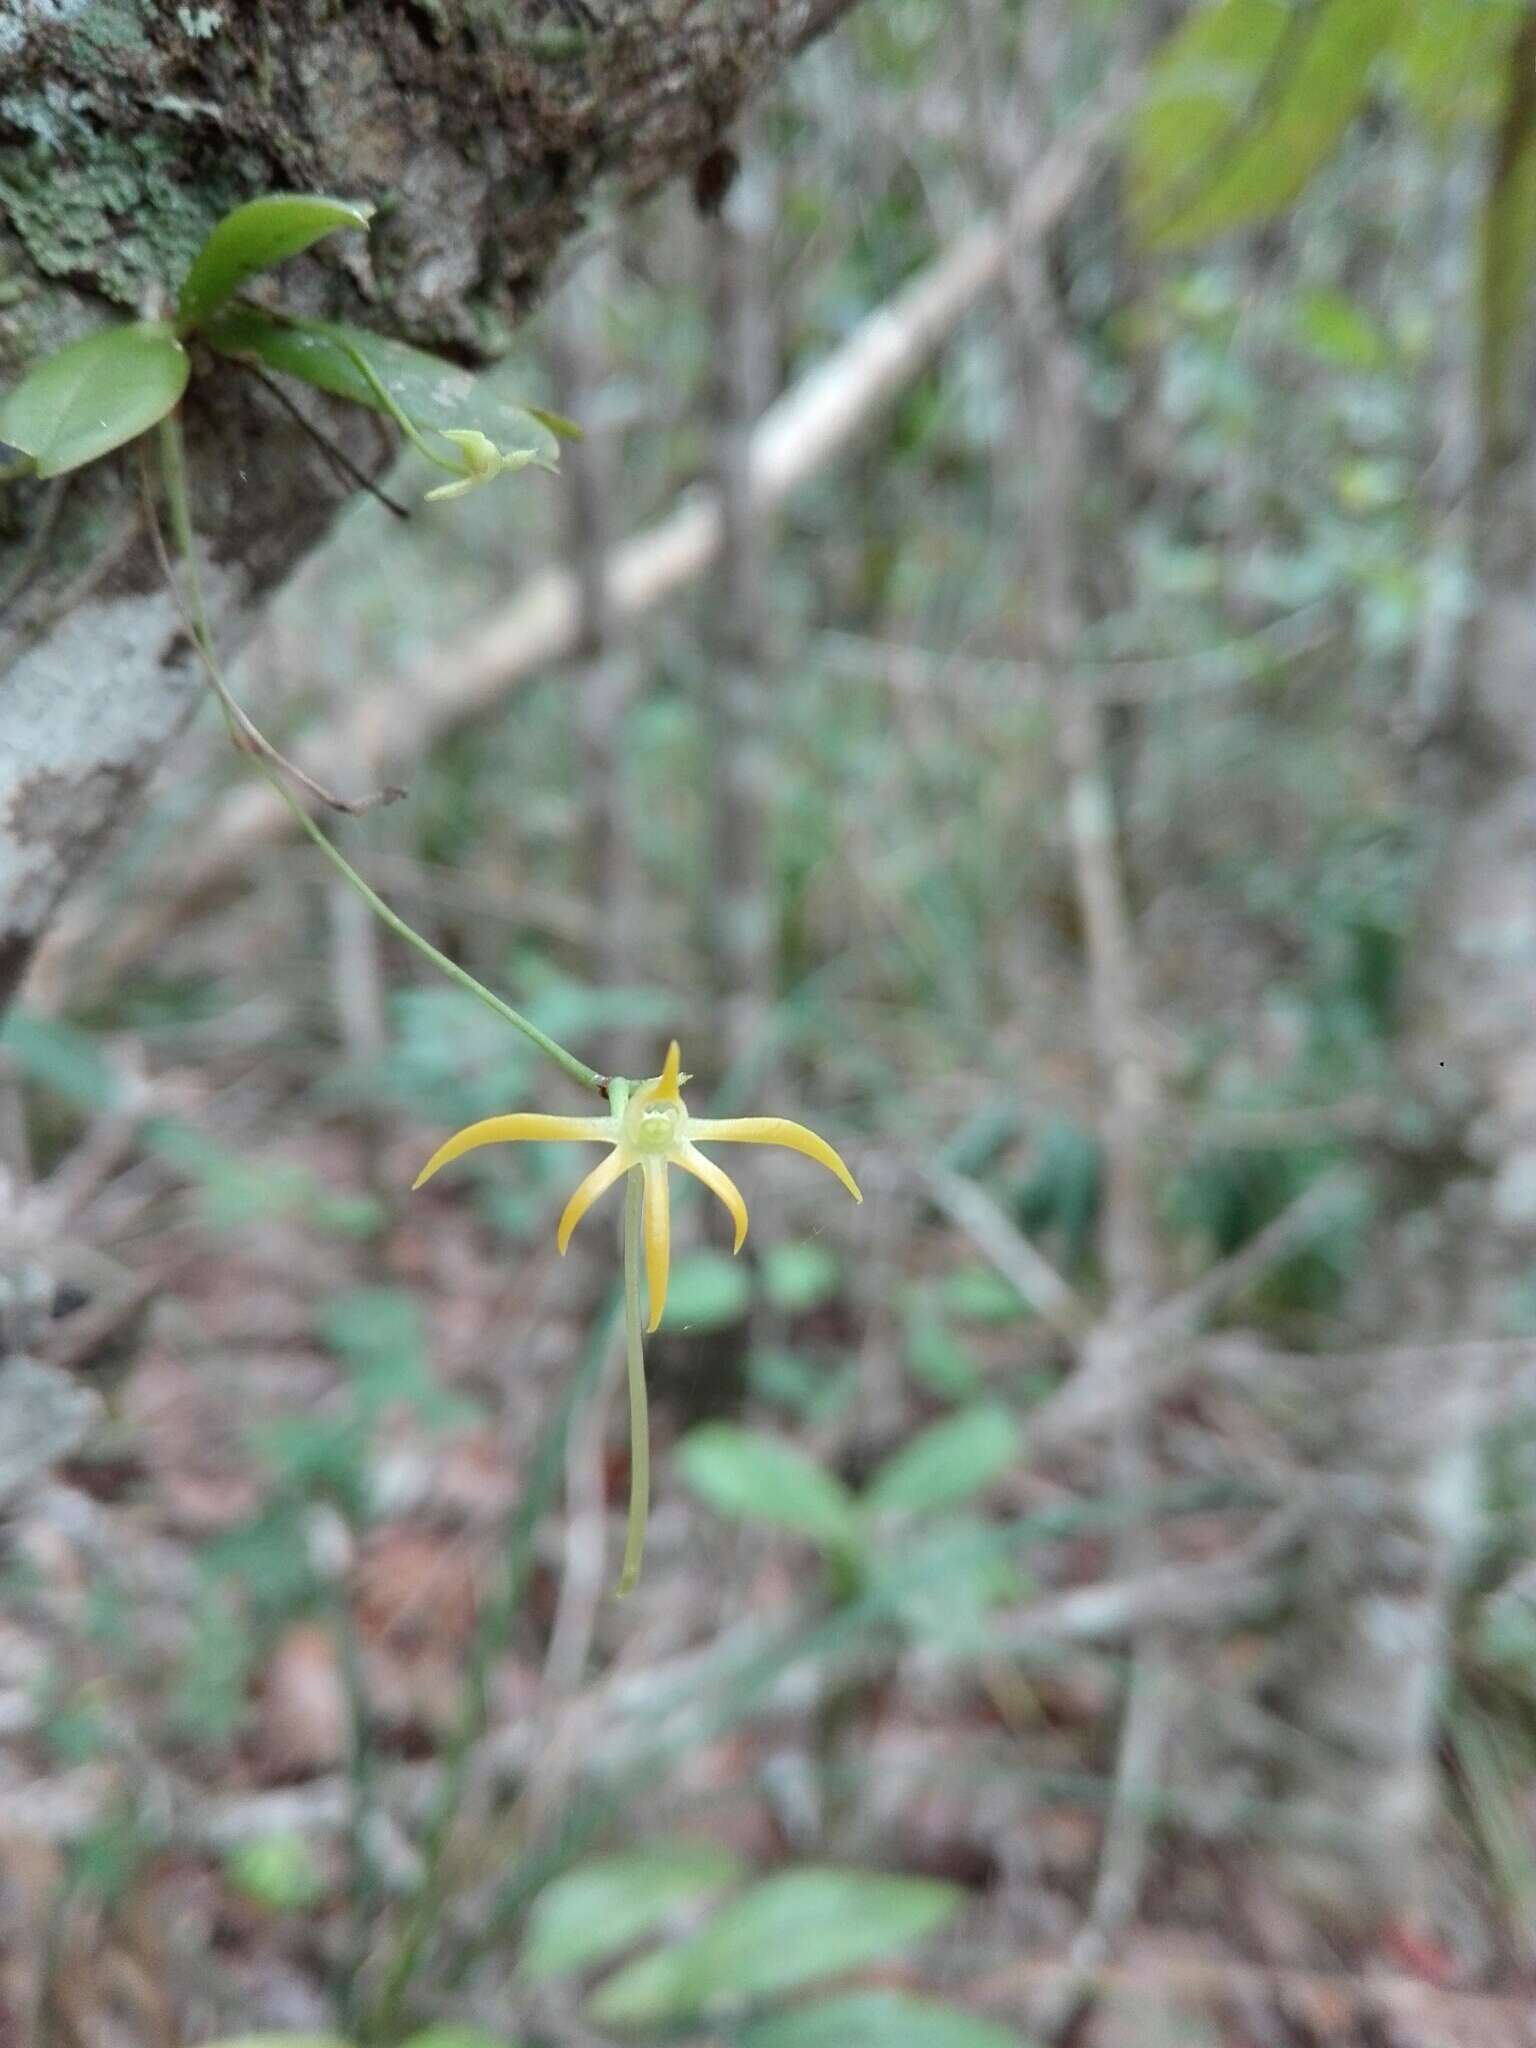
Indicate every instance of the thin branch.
{"type": "Point", "coordinates": [1129, 679]}
{"type": "Point", "coordinates": [1007, 1250]}
{"type": "Point", "coordinates": [1050, 425]}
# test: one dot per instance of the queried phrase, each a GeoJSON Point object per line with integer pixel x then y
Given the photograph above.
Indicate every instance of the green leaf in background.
{"type": "Point", "coordinates": [1448, 60]}
{"type": "Point", "coordinates": [799, 1276]}
{"type": "Point", "coordinates": [93, 395]}
{"type": "Point", "coordinates": [279, 2041]}
{"type": "Point", "coordinates": [1243, 104]}
{"type": "Point", "coordinates": [947, 1462]}
{"type": "Point", "coordinates": [813, 1387]}
{"type": "Point", "coordinates": [876, 2019]}
{"type": "Point", "coordinates": [602, 1906]}
{"type": "Point", "coordinates": [427, 390]}
{"type": "Point", "coordinates": [377, 1333]}
{"type": "Point", "coordinates": [977, 1294]}
{"type": "Point", "coordinates": [108, 1857]}
{"type": "Point", "coordinates": [708, 1291]}
{"type": "Point", "coordinates": [796, 1929]}
{"type": "Point", "coordinates": [557, 423]}
{"type": "Point", "coordinates": [210, 1691]}
{"type": "Point", "coordinates": [448, 1061]}
{"type": "Point", "coordinates": [276, 1871]}
{"type": "Point", "coordinates": [944, 1579]}
{"type": "Point", "coordinates": [62, 1057]}
{"type": "Point", "coordinates": [1336, 331]}
{"type": "Point", "coordinates": [1059, 1200]}
{"type": "Point", "coordinates": [1507, 238]}
{"type": "Point", "coordinates": [936, 1356]}
{"type": "Point", "coordinates": [449, 2034]}
{"type": "Point", "coordinates": [254, 237]}
{"type": "Point", "coordinates": [761, 1478]}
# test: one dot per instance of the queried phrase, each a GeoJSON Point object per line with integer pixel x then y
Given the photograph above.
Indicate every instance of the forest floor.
{"type": "Point", "coordinates": [322, 1397]}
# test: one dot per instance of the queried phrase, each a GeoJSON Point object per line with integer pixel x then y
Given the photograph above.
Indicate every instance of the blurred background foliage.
{"type": "Point", "coordinates": [348, 1450]}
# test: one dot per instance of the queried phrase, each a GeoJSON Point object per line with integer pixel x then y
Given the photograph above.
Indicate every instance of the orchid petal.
{"type": "Point", "coordinates": [719, 1183]}
{"type": "Point", "coordinates": [666, 1086]}
{"type": "Point", "coordinates": [596, 1184]}
{"type": "Point", "coordinates": [658, 1236]}
{"type": "Point", "coordinates": [773, 1130]}
{"type": "Point", "coordinates": [499, 1130]}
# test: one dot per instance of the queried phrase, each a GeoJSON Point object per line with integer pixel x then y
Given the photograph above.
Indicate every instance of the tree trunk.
{"type": "Point", "coordinates": [127, 127]}
{"type": "Point", "coordinates": [1372, 1653]}
{"type": "Point", "coordinates": [743, 943]}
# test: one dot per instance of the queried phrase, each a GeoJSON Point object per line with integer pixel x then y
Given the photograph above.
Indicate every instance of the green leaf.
{"type": "Point", "coordinates": [432, 393]}
{"type": "Point", "coordinates": [280, 2041]}
{"type": "Point", "coordinates": [377, 1333]}
{"type": "Point", "coordinates": [948, 1462]}
{"type": "Point", "coordinates": [875, 2019]}
{"type": "Point", "coordinates": [977, 1294]}
{"type": "Point", "coordinates": [761, 1478]}
{"type": "Point", "coordinates": [557, 423]}
{"type": "Point", "coordinates": [1243, 104]}
{"type": "Point", "coordinates": [1448, 60]}
{"type": "Point", "coordinates": [798, 1277]}
{"type": "Point", "coordinates": [796, 1929]}
{"type": "Point", "coordinates": [276, 1871]}
{"type": "Point", "coordinates": [814, 1387]}
{"type": "Point", "coordinates": [936, 1355]}
{"type": "Point", "coordinates": [1336, 331]}
{"type": "Point", "coordinates": [93, 395]}
{"type": "Point", "coordinates": [944, 1580]}
{"type": "Point", "coordinates": [62, 1057]}
{"type": "Point", "coordinates": [707, 1291]}
{"type": "Point", "coordinates": [255, 237]}
{"type": "Point", "coordinates": [452, 2034]}
{"type": "Point", "coordinates": [1507, 240]}
{"type": "Point", "coordinates": [601, 1907]}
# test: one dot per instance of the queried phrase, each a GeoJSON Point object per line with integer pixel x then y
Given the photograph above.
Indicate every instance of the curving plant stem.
{"type": "Point", "coordinates": [634, 1364]}
{"type": "Point", "coordinates": [173, 472]}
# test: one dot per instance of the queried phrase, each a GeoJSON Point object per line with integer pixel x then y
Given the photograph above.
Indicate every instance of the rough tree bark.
{"type": "Point", "coordinates": [480, 128]}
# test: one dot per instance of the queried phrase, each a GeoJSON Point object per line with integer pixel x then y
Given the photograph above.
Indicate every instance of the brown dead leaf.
{"type": "Point", "coordinates": [303, 1721]}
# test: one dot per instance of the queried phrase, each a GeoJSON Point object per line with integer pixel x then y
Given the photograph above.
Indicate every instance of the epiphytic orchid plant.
{"type": "Point", "coordinates": [91, 398]}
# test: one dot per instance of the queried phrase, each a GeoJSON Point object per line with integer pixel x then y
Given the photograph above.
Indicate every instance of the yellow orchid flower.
{"type": "Point", "coordinates": [651, 1128]}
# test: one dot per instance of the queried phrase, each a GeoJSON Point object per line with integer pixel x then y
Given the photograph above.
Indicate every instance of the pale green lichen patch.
{"type": "Point", "coordinates": [112, 30]}
{"type": "Point", "coordinates": [111, 211]}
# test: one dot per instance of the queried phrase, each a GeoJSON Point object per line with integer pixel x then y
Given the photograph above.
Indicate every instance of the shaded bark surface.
{"type": "Point", "coordinates": [481, 129]}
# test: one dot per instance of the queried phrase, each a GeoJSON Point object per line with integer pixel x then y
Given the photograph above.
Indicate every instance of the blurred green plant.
{"type": "Point", "coordinates": [900, 1526]}
{"type": "Point", "coordinates": [778, 1936]}
{"type": "Point", "coordinates": [67, 1064]}
{"type": "Point", "coordinates": [752, 1969]}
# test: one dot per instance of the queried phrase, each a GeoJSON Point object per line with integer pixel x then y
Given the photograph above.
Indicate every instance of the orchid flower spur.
{"type": "Point", "coordinates": [649, 1127]}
